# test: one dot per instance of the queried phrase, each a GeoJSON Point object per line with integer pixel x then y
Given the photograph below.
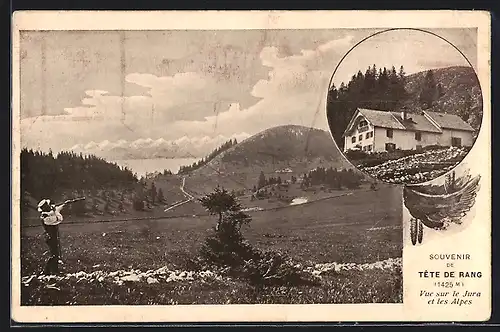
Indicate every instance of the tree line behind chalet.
{"type": "Point", "coordinates": [386, 89]}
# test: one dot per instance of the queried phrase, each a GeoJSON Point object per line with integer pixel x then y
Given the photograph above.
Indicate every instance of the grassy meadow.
{"type": "Point", "coordinates": [360, 228]}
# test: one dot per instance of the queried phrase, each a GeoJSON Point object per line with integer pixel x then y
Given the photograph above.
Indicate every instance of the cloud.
{"type": "Point", "coordinates": [294, 93]}
{"type": "Point", "coordinates": [183, 96]}
{"type": "Point", "coordinates": [186, 105]}
{"type": "Point", "coordinates": [94, 93]}
{"type": "Point", "coordinates": [323, 57]}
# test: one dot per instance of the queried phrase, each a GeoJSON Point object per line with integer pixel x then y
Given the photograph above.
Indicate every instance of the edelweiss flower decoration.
{"type": "Point", "coordinates": [437, 207]}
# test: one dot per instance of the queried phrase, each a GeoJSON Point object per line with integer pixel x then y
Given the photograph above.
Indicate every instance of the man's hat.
{"type": "Point", "coordinates": [42, 204]}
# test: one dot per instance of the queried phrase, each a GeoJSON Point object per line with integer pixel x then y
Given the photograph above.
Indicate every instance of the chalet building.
{"type": "Point", "coordinates": [377, 131]}
{"type": "Point", "coordinates": [285, 170]}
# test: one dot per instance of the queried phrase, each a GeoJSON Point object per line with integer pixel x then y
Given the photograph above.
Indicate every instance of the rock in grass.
{"type": "Point", "coordinates": [161, 270]}
{"type": "Point", "coordinates": [151, 280]}
{"type": "Point", "coordinates": [131, 277]}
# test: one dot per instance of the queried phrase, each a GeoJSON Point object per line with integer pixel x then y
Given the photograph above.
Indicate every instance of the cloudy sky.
{"type": "Point", "coordinates": [136, 94]}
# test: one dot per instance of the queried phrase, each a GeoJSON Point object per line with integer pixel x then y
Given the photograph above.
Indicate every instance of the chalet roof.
{"type": "Point", "coordinates": [417, 122]}
{"type": "Point", "coordinates": [381, 118]}
{"type": "Point", "coordinates": [449, 121]}
{"type": "Point", "coordinates": [426, 121]}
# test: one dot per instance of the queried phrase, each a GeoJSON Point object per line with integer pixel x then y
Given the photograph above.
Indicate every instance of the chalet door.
{"type": "Point", "coordinates": [456, 141]}
{"type": "Point", "coordinates": [390, 147]}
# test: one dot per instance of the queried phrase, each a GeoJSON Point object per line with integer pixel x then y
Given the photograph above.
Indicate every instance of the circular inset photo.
{"type": "Point", "coordinates": [405, 106]}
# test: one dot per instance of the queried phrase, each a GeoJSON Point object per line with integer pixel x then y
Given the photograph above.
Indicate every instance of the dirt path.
{"type": "Point", "coordinates": [188, 196]}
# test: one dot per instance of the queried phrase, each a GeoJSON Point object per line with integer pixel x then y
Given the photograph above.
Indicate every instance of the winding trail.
{"type": "Point", "coordinates": [182, 188]}
{"type": "Point", "coordinates": [177, 205]}
{"type": "Point", "coordinates": [188, 195]}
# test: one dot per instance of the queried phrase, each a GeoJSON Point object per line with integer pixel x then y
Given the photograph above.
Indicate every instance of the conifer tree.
{"type": "Point", "coordinates": [428, 92]}
{"type": "Point", "coordinates": [160, 197]}
{"type": "Point", "coordinates": [262, 180]}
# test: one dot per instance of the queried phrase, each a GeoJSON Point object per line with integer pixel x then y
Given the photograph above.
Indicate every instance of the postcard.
{"type": "Point", "coordinates": [251, 166]}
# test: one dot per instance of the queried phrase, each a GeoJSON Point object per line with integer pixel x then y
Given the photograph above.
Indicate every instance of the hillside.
{"type": "Point", "coordinates": [203, 161]}
{"type": "Point", "coordinates": [296, 148]}
{"type": "Point", "coordinates": [461, 93]}
{"type": "Point", "coordinates": [281, 146]}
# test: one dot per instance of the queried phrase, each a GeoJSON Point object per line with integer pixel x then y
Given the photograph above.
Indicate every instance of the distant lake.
{"type": "Point", "coordinates": [143, 166]}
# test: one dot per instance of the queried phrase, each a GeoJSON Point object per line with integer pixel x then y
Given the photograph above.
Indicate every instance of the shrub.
{"type": "Point", "coordinates": [184, 260]}
{"type": "Point", "coordinates": [274, 268]}
{"type": "Point", "coordinates": [78, 208]}
{"type": "Point", "coordinates": [138, 204]}
{"type": "Point", "coordinates": [145, 231]}
{"type": "Point", "coordinates": [106, 207]}
{"type": "Point", "coordinates": [356, 154]}
{"type": "Point", "coordinates": [377, 158]}
{"type": "Point", "coordinates": [226, 207]}
{"type": "Point", "coordinates": [228, 249]}
{"type": "Point", "coordinates": [432, 147]}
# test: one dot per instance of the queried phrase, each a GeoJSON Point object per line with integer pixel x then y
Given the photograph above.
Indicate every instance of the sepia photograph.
{"type": "Point", "coordinates": [191, 167]}
{"type": "Point", "coordinates": [412, 107]}
{"type": "Point", "coordinates": [251, 166]}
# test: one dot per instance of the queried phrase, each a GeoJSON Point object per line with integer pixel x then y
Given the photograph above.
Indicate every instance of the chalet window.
{"type": "Point", "coordinates": [390, 146]}
{"type": "Point", "coordinates": [389, 133]}
{"type": "Point", "coordinates": [369, 147]}
{"type": "Point", "coordinates": [456, 141]}
{"type": "Point", "coordinates": [360, 137]}
{"type": "Point", "coordinates": [363, 126]}
{"type": "Point", "coordinates": [353, 139]}
{"type": "Point", "coordinates": [367, 135]}
{"type": "Point", "coordinates": [418, 136]}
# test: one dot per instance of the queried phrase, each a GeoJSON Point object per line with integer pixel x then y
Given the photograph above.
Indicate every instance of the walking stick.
{"type": "Point", "coordinates": [69, 201]}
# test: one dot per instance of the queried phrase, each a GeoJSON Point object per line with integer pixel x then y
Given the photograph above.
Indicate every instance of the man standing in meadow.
{"type": "Point", "coordinates": [51, 217]}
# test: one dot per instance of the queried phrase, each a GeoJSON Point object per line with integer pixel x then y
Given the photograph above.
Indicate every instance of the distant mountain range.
{"type": "Point", "coordinates": [184, 147]}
